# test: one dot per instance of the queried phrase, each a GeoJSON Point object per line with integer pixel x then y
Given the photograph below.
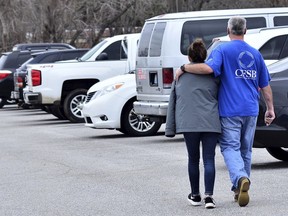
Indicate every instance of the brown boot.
{"type": "Point", "coordinates": [243, 186]}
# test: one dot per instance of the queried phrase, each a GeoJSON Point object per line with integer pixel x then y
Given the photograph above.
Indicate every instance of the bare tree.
{"type": "Point", "coordinates": [85, 22]}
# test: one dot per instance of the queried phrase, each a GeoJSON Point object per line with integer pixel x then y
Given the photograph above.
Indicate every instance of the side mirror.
{"type": "Point", "coordinates": [103, 56]}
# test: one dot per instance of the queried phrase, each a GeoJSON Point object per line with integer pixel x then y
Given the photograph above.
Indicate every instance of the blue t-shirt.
{"type": "Point", "coordinates": [242, 73]}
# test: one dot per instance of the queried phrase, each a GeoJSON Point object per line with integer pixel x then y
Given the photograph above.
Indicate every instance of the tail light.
{"type": "Point", "coordinates": [167, 77]}
{"type": "Point", "coordinates": [36, 77]}
{"type": "Point", "coordinates": [4, 74]}
{"type": "Point", "coordinates": [19, 82]}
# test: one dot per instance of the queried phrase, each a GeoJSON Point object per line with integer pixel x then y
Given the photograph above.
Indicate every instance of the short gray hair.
{"type": "Point", "coordinates": [237, 25]}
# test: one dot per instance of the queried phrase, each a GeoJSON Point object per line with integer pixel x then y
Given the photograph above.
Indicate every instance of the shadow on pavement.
{"type": "Point", "coordinates": [270, 165]}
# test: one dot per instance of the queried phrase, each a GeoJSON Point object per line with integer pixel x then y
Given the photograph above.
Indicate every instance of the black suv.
{"type": "Point", "coordinates": [9, 61]}
{"type": "Point", "coordinates": [37, 58]}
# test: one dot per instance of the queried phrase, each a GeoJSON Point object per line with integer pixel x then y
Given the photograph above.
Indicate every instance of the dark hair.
{"type": "Point", "coordinates": [197, 51]}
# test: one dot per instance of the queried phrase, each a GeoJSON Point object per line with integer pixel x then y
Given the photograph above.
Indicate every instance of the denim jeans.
{"type": "Point", "coordinates": [236, 142]}
{"type": "Point", "coordinates": [209, 141]}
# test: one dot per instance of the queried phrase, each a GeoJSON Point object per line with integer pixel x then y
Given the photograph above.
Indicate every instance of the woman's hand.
{"type": "Point", "coordinates": [178, 73]}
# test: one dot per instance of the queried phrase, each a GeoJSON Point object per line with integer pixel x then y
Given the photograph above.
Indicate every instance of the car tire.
{"type": "Point", "coordinates": [278, 153]}
{"type": "Point", "coordinates": [73, 105]}
{"type": "Point", "coordinates": [58, 112]}
{"type": "Point", "coordinates": [2, 102]}
{"type": "Point", "coordinates": [133, 124]}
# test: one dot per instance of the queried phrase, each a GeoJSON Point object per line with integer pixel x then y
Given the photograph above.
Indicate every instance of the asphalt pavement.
{"type": "Point", "coordinates": [51, 167]}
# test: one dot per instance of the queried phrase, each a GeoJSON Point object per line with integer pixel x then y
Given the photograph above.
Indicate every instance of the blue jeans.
{"type": "Point", "coordinates": [209, 141]}
{"type": "Point", "coordinates": [236, 142]}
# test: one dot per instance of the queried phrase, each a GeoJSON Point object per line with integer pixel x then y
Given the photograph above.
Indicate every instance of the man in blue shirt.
{"type": "Point", "coordinates": [243, 74]}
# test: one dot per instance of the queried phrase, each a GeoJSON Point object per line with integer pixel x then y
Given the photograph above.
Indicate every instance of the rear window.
{"type": "Point", "coordinates": [145, 40]}
{"type": "Point", "coordinates": [156, 41]}
{"type": "Point", "coordinates": [209, 29]}
{"type": "Point", "coordinates": [72, 55]}
{"type": "Point", "coordinates": [23, 57]}
{"type": "Point", "coordinates": [156, 34]}
{"type": "Point", "coordinates": [49, 58]}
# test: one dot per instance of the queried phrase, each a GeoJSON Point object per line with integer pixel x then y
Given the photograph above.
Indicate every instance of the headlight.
{"type": "Point", "coordinates": [108, 89]}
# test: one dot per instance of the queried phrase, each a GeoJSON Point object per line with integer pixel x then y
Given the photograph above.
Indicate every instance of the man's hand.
{"type": "Point", "coordinates": [268, 96]}
{"type": "Point", "coordinates": [269, 117]}
{"type": "Point", "coordinates": [179, 72]}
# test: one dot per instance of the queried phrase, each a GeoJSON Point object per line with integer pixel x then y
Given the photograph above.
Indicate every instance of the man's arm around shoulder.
{"type": "Point", "coordinates": [199, 68]}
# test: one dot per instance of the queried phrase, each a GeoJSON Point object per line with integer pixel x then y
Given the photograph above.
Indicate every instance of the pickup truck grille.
{"type": "Point", "coordinates": [89, 96]}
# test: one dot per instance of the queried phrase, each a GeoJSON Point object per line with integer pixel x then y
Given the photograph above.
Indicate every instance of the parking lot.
{"type": "Point", "coordinates": [50, 167]}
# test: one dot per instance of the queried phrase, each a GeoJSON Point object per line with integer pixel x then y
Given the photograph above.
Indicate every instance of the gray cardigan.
{"type": "Point", "coordinates": [193, 105]}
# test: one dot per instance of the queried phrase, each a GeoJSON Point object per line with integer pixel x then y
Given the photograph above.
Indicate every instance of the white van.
{"type": "Point", "coordinates": [163, 48]}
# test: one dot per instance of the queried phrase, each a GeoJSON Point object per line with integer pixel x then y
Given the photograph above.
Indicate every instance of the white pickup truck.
{"type": "Point", "coordinates": [62, 87]}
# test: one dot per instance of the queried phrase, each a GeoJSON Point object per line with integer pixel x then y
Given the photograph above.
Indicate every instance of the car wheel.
{"type": "Point", "coordinates": [58, 112]}
{"type": "Point", "coordinates": [73, 105]}
{"type": "Point", "coordinates": [279, 153]}
{"type": "Point", "coordinates": [133, 124]}
{"type": "Point", "coordinates": [2, 102]}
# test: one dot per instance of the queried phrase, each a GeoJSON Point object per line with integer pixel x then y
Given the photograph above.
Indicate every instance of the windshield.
{"type": "Point", "coordinates": [88, 55]}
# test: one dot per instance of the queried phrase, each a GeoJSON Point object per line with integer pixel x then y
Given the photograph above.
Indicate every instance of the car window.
{"type": "Point", "coordinates": [71, 55]}
{"type": "Point", "coordinates": [284, 52]}
{"type": "Point", "coordinates": [52, 57]}
{"type": "Point", "coordinates": [273, 48]}
{"type": "Point", "coordinates": [113, 51]}
{"type": "Point", "coordinates": [145, 40]}
{"type": "Point", "coordinates": [205, 29]}
{"type": "Point", "coordinates": [22, 58]}
{"type": "Point", "coordinates": [280, 20]}
{"type": "Point", "coordinates": [210, 29]}
{"type": "Point", "coordinates": [67, 56]}
{"type": "Point", "coordinates": [256, 22]}
{"type": "Point", "coordinates": [156, 40]}
{"type": "Point", "coordinates": [92, 51]}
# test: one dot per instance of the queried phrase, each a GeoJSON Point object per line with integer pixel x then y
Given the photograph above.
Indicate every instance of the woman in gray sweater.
{"type": "Point", "coordinates": [193, 111]}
